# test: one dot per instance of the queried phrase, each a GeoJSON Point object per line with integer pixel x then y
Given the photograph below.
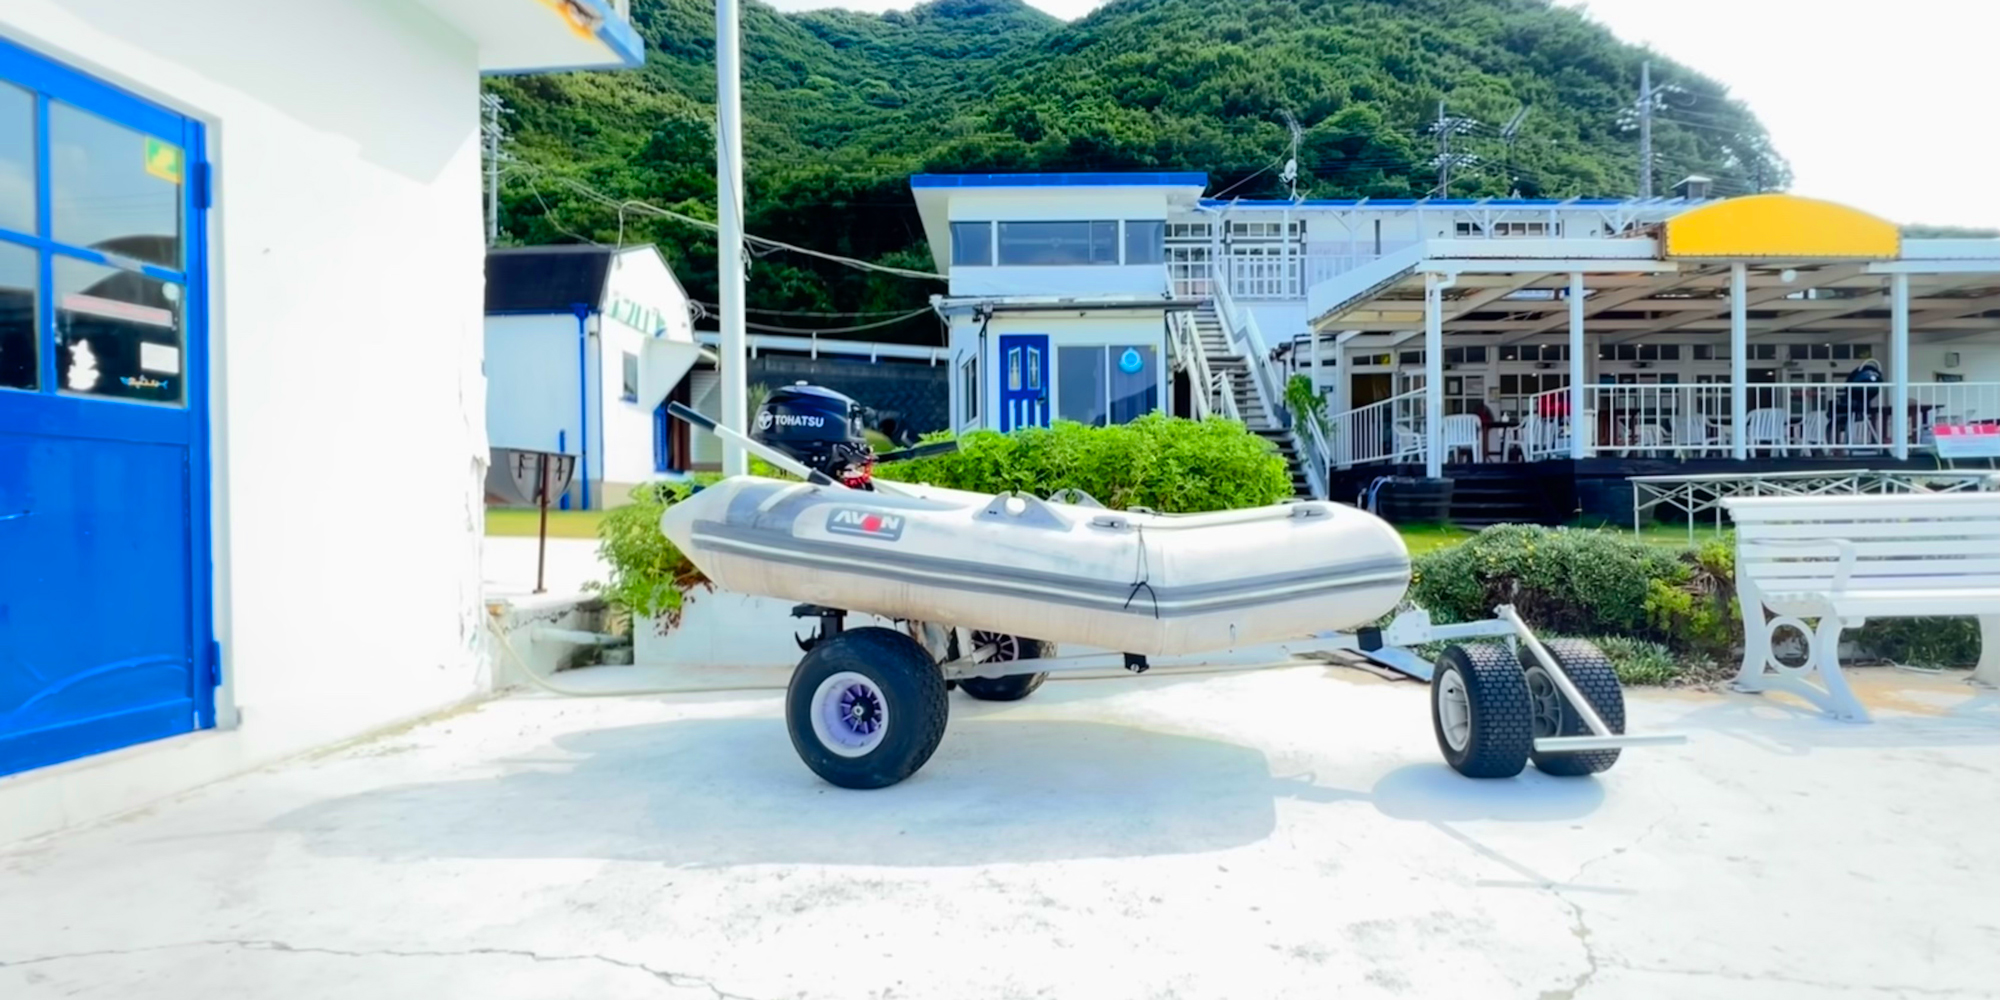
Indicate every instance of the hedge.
{"type": "Point", "coordinates": [1603, 583]}
{"type": "Point", "coordinates": [1168, 464]}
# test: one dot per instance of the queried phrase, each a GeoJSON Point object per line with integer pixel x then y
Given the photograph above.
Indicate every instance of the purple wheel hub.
{"type": "Point", "coordinates": [850, 714]}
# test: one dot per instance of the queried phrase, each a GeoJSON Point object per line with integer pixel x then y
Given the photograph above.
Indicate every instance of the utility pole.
{"type": "Point", "coordinates": [1444, 128]}
{"type": "Point", "coordinates": [1646, 98]}
{"type": "Point", "coordinates": [733, 356]}
{"type": "Point", "coordinates": [1290, 175]}
{"type": "Point", "coordinates": [493, 133]}
{"type": "Point", "coordinates": [1509, 133]}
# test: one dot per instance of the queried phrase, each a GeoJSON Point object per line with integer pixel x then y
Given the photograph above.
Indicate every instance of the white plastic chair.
{"type": "Point", "coordinates": [1543, 438]}
{"type": "Point", "coordinates": [1409, 444]}
{"type": "Point", "coordinates": [1768, 427]}
{"type": "Point", "coordinates": [1692, 430]}
{"type": "Point", "coordinates": [1651, 438]}
{"type": "Point", "coordinates": [1812, 430]}
{"type": "Point", "coordinates": [1861, 432]}
{"type": "Point", "coordinates": [1463, 433]}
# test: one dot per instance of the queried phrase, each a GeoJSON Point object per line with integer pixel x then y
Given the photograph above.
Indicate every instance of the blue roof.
{"type": "Point", "coordinates": [1194, 180]}
{"type": "Point", "coordinates": [1412, 202]}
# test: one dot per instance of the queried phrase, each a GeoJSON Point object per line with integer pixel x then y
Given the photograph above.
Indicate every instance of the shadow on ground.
{"type": "Point", "coordinates": [723, 792]}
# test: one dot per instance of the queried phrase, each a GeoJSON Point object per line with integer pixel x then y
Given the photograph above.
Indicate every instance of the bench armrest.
{"type": "Point", "coordinates": [1846, 548]}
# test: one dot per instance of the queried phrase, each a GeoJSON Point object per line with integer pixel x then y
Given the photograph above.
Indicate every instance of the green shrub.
{"type": "Point", "coordinates": [1921, 642]}
{"type": "Point", "coordinates": [1165, 463]}
{"type": "Point", "coordinates": [1638, 661]}
{"type": "Point", "coordinates": [1564, 581]}
{"type": "Point", "coordinates": [648, 573]}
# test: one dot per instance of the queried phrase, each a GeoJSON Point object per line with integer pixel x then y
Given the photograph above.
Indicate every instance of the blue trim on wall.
{"type": "Point", "coordinates": [583, 395]}
{"type": "Point", "coordinates": [1199, 180]}
{"type": "Point", "coordinates": [1412, 203]}
{"type": "Point", "coordinates": [619, 36]}
{"type": "Point", "coordinates": [201, 546]}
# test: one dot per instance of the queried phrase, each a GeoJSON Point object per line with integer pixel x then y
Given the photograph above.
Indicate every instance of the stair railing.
{"type": "Point", "coordinates": [1187, 345]}
{"type": "Point", "coordinates": [1241, 327]}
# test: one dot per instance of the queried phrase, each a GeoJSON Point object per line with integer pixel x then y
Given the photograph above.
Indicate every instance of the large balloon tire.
{"type": "Point", "coordinates": [1591, 671]}
{"type": "Point", "coordinates": [866, 708]}
{"type": "Point", "coordinates": [1480, 711]}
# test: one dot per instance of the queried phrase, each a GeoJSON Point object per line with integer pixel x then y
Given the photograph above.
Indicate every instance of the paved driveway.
{"type": "Point", "coordinates": [1289, 834]}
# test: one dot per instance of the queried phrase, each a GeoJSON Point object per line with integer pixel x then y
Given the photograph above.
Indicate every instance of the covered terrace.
{"type": "Point", "coordinates": [1741, 328]}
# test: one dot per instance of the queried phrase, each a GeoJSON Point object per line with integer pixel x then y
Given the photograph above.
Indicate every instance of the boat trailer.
{"type": "Point", "coordinates": [867, 707]}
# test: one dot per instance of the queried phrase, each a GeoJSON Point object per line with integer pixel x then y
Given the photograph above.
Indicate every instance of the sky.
{"type": "Point", "coordinates": [1885, 105]}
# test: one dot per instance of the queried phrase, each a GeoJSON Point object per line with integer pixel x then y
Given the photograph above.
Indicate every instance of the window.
{"type": "Point", "coordinates": [971, 244]}
{"type": "Point", "coordinates": [101, 198]}
{"type": "Point", "coordinates": [630, 391]}
{"type": "Point", "coordinates": [118, 333]}
{"type": "Point", "coordinates": [1145, 242]}
{"type": "Point", "coordinates": [1465, 355]}
{"type": "Point", "coordinates": [1411, 358]}
{"type": "Point", "coordinates": [19, 361]}
{"type": "Point", "coordinates": [1099, 385]}
{"type": "Point", "coordinates": [1262, 230]}
{"type": "Point", "coordinates": [17, 160]}
{"type": "Point", "coordinates": [1042, 244]}
{"type": "Point", "coordinates": [969, 386]}
{"type": "Point", "coordinates": [1187, 230]}
{"type": "Point", "coordinates": [1510, 229]}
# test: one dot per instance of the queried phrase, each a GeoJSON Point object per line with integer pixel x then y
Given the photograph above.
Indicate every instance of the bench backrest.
{"type": "Point", "coordinates": [1915, 541]}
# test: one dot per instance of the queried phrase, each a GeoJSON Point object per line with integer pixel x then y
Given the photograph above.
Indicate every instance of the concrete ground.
{"type": "Point", "coordinates": [1289, 834]}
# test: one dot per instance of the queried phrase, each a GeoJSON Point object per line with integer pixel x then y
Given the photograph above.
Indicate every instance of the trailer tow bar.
{"type": "Point", "coordinates": [1601, 738]}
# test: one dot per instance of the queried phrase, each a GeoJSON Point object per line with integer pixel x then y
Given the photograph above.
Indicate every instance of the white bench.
{"type": "Point", "coordinates": [1841, 560]}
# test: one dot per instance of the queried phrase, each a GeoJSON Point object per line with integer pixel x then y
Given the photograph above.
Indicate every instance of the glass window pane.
{"type": "Point", "coordinates": [971, 244]}
{"type": "Point", "coordinates": [1135, 382]}
{"type": "Point", "coordinates": [629, 391]}
{"type": "Point", "coordinates": [1028, 244]}
{"type": "Point", "coordinates": [1080, 385]}
{"type": "Point", "coordinates": [1104, 243]}
{"type": "Point", "coordinates": [18, 366]}
{"type": "Point", "coordinates": [17, 159]}
{"type": "Point", "coordinates": [1145, 242]}
{"type": "Point", "coordinates": [113, 189]}
{"type": "Point", "coordinates": [118, 333]}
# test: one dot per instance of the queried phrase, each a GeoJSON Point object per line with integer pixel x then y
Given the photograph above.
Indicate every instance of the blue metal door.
{"type": "Point", "coordinates": [104, 509]}
{"type": "Point", "coordinates": [1024, 380]}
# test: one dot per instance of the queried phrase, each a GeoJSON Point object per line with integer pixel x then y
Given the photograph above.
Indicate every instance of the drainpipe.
{"type": "Point", "coordinates": [583, 395]}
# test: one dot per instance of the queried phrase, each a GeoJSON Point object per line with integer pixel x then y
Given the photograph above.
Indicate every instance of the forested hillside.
{"type": "Point", "coordinates": [840, 108]}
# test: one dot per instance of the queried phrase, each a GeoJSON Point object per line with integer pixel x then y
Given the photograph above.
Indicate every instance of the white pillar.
{"type": "Point", "coordinates": [1434, 286]}
{"type": "Point", "coordinates": [1899, 365]}
{"type": "Point", "coordinates": [732, 359]}
{"type": "Point", "coordinates": [1582, 424]}
{"type": "Point", "coordinates": [1739, 359]}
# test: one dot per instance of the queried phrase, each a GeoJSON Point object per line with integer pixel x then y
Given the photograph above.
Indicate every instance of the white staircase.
{"type": "Point", "coordinates": [1224, 359]}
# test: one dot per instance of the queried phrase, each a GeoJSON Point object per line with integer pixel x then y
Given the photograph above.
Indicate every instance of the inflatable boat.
{"type": "Point", "coordinates": [1125, 581]}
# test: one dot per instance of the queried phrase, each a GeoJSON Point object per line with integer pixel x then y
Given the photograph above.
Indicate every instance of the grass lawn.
{"type": "Point", "coordinates": [513, 523]}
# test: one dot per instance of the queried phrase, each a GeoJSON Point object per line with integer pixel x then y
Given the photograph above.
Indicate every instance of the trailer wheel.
{"type": "Point", "coordinates": [1008, 648]}
{"type": "Point", "coordinates": [866, 708]}
{"type": "Point", "coordinates": [1591, 672]}
{"type": "Point", "coordinates": [1480, 711]}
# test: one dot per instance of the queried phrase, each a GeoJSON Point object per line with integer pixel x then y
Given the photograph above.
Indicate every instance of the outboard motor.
{"type": "Point", "coordinates": [821, 428]}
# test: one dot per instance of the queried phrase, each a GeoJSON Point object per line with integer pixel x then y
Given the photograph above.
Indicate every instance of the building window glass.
{"type": "Point", "coordinates": [1081, 394]}
{"type": "Point", "coordinates": [969, 382]}
{"type": "Point", "coordinates": [118, 333]}
{"type": "Point", "coordinates": [629, 392]}
{"type": "Point", "coordinates": [19, 364]}
{"type": "Point", "coordinates": [1135, 382]}
{"type": "Point", "coordinates": [971, 244]}
{"type": "Point", "coordinates": [1145, 242]}
{"type": "Point", "coordinates": [113, 189]}
{"type": "Point", "coordinates": [1042, 244]}
{"type": "Point", "coordinates": [17, 159]}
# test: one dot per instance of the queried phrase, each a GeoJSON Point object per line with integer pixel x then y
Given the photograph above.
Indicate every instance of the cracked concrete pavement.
{"type": "Point", "coordinates": [1289, 834]}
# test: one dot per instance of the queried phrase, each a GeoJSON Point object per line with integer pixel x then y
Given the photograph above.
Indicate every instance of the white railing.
{"type": "Point", "coordinates": [1264, 278]}
{"type": "Point", "coordinates": [1657, 420]}
{"type": "Point", "coordinates": [1546, 428]}
{"type": "Point", "coordinates": [1223, 391]}
{"type": "Point", "coordinates": [1933, 403]}
{"type": "Point", "coordinates": [1191, 279]}
{"type": "Point", "coordinates": [1187, 346]}
{"type": "Point", "coordinates": [1388, 431]}
{"type": "Point", "coordinates": [1816, 418]}
{"type": "Point", "coordinates": [1315, 453]}
{"type": "Point", "coordinates": [1241, 327]}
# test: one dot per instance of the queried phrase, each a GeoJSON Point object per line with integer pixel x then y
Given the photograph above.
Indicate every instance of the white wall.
{"type": "Point", "coordinates": [348, 403]}
{"type": "Point", "coordinates": [1070, 329]}
{"type": "Point", "coordinates": [1978, 359]}
{"type": "Point", "coordinates": [645, 314]}
{"type": "Point", "coordinates": [624, 431]}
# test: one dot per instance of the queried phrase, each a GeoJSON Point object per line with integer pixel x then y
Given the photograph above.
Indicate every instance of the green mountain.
{"type": "Point", "coordinates": [840, 108]}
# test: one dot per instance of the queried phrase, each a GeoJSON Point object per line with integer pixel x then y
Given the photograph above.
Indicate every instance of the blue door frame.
{"type": "Point", "coordinates": [1024, 380]}
{"type": "Point", "coordinates": [106, 635]}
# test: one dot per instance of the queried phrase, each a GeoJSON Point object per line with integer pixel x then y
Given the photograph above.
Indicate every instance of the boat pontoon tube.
{"type": "Point", "coordinates": [1132, 582]}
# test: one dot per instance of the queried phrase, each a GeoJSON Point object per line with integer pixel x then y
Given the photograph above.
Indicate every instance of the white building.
{"type": "Point", "coordinates": [1048, 270]}
{"type": "Point", "coordinates": [242, 436]}
{"type": "Point", "coordinates": [583, 346]}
